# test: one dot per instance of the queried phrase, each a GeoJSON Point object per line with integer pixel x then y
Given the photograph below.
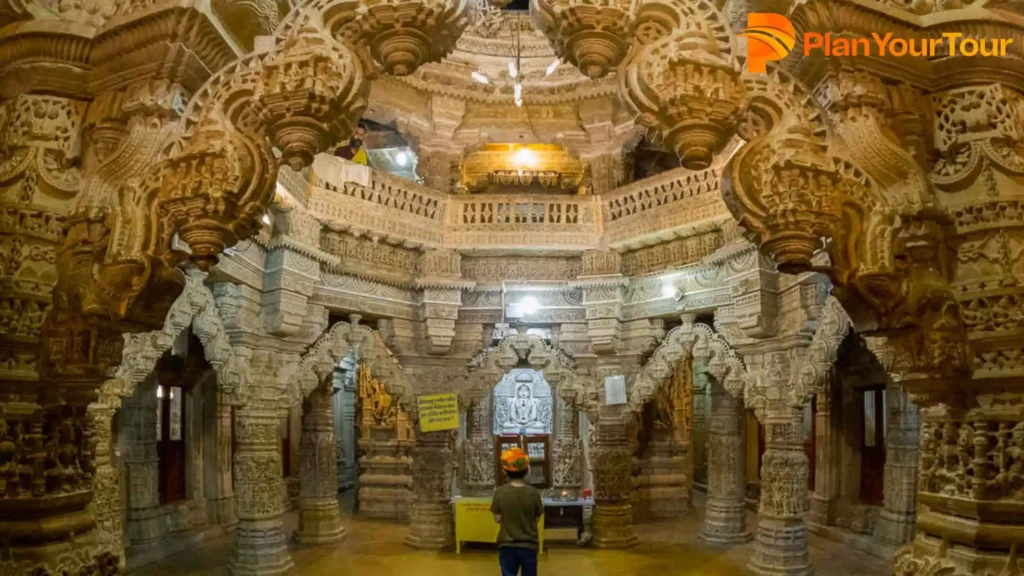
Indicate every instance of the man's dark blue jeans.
{"type": "Point", "coordinates": [513, 559]}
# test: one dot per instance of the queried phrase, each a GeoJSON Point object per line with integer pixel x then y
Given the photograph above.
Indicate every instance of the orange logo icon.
{"type": "Point", "coordinates": [770, 37]}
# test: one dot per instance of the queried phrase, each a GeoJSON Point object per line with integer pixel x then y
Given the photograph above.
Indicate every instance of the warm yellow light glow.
{"type": "Point", "coordinates": [525, 157]}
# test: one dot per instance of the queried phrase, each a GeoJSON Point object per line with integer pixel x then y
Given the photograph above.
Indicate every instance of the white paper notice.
{"type": "Point", "coordinates": [614, 390]}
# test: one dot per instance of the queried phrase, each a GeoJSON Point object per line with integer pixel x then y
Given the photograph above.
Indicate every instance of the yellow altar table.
{"type": "Point", "coordinates": [475, 523]}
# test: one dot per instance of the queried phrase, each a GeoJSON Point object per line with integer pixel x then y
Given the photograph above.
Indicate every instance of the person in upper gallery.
{"type": "Point", "coordinates": [517, 508]}
{"type": "Point", "coordinates": [353, 150]}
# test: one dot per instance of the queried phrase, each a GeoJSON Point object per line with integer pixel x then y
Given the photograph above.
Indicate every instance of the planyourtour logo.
{"type": "Point", "coordinates": [771, 37]}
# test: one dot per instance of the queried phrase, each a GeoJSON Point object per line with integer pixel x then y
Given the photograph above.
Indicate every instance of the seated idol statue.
{"type": "Point", "coordinates": [523, 409]}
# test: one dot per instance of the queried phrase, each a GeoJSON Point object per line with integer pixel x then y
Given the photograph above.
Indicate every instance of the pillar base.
{"type": "Point", "coordinates": [823, 511]}
{"type": "Point", "coordinates": [781, 548]}
{"type": "Point", "coordinates": [319, 523]}
{"type": "Point", "coordinates": [613, 526]}
{"type": "Point", "coordinates": [895, 528]}
{"type": "Point", "coordinates": [430, 526]}
{"type": "Point", "coordinates": [261, 549]}
{"type": "Point", "coordinates": [725, 522]}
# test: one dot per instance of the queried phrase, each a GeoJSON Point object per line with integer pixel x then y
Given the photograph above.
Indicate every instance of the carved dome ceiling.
{"type": "Point", "coordinates": [487, 46]}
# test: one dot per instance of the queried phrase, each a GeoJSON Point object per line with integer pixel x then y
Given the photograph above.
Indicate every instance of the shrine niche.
{"type": "Point", "coordinates": [504, 168]}
{"type": "Point", "coordinates": [385, 433]}
{"type": "Point", "coordinates": [523, 391]}
{"type": "Point", "coordinates": [663, 476]}
{"type": "Point", "coordinates": [385, 441]}
{"type": "Point", "coordinates": [522, 403]}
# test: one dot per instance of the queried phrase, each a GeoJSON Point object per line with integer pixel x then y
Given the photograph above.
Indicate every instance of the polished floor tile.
{"type": "Point", "coordinates": [374, 548]}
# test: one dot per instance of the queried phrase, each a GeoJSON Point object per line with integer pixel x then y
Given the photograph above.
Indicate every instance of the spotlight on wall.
{"type": "Point", "coordinates": [529, 305]}
{"type": "Point", "coordinates": [401, 159]}
{"type": "Point", "coordinates": [481, 78]}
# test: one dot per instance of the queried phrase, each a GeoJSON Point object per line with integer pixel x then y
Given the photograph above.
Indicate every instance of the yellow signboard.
{"type": "Point", "coordinates": [438, 412]}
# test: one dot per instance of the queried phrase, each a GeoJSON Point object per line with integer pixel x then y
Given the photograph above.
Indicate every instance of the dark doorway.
{"type": "Point", "coordinates": [170, 442]}
{"type": "Point", "coordinates": [872, 444]}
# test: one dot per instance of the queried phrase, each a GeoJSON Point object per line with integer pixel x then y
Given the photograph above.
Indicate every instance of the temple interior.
{"type": "Point", "coordinates": [281, 279]}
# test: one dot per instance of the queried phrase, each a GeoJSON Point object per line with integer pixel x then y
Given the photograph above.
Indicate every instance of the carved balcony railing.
{"type": "Point", "coordinates": [373, 203]}
{"type": "Point", "coordinates": [671, 204]}
{"type": "Point", "coordinates": [528, 220]}
{"type": "Point", "coordinates": [365, 202]}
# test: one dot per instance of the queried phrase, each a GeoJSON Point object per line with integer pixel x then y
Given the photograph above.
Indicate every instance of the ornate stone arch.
{"type": "Point", "coordinates": [488, 367]}
{"type": "Point", "coordinates": [705, 345]}
{"type": "Point", "coordinates": [194, 307]}
{"type": "Point", "coordinates": [368, 347]}
{"type": "Point", "coordinates": [833, 327]}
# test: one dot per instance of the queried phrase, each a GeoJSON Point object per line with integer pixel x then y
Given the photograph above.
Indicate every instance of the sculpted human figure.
{"type": "Point", "coordinates": [523, 409]}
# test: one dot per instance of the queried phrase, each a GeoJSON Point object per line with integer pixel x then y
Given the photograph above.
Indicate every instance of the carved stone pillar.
{"type": "Point", "coordinates": [701, 410]}
{"type": "Point", "coordinates": [896, 520]}
{"type": "Point", "coordinates": [781, 544]}
{"type": "Point", "coordinates": [261, 547]}
{"type": "Point", "coordinates": [146, 524]}
{"type": "Point", "coordinates": [725, 518]}
{"type": "Point", "coordinates": [106, 505]}
{"type": "Point", "coordinates": [602, 284]}
{"type": "Point", "coordinates": [319, 516]}
{"type": "Point", "coordinates": [568, 451]}
{"type": "Point", "coordinates": [478, 449]}
{"type": "Point", "coordinates": [345, 426]}
{"type": "Point", "coordinates": [827, 458]}
{"type": "Point", "coordinates": [217, 438]}
{"type": "Point", "coordinates": [431, 524]}
{"type": "Point", "coordinates": [440, 298]}
{"type": "Point", "coordinates": [438, 165]}
{"type": "Point", "coordinates": [612, 462]}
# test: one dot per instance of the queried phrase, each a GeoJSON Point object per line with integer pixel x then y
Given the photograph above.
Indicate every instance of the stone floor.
{"type": "Point", "coordinates": [375, 548]}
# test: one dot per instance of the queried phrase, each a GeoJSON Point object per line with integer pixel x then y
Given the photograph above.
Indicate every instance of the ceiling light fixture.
{"type": "Point", "coordinates": [481, 78]}
{"type": "Point", "coordinates": [515, 67]}
{"type": "Point", "coordinates": [401, 159]}
{"type": "Point", "coordinates": [668, 291]}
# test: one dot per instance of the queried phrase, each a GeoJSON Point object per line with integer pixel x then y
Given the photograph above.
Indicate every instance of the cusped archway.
{"type": "Point", "coordinates": [705, 346]}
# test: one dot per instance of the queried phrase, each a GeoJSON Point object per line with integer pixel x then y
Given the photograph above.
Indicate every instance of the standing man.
{"type": "Point", "coordinates": [353, 150]}
{"type": "Point", "coordinates": [517, 507]}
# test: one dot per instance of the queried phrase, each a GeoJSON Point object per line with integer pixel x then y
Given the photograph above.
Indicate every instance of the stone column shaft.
{"type": "Point", "coordinates": [319, 515]}
{"type": "Point", "coordinates": [725, 519]}
{"type": "Point", "coordinates": [827, 458]}
{"type": "Point", "coordinates": [478, 450]}
{"type": "Point", "coordinates": [612, 459]}
{"type": "Point", "coordinates": [781, 544]}
{"type": "Point", "coordinates": [217, 440]}
{"type": "Point", "coordinates": [896, 520]}
{"type": "Point", "coordinates": [142, 465]}
{"type": "Point", "coordinates": [261, 547]}
{"type": "Point", "coordinates": [431, 523]}
{"type": "Point", "coordinates": [568, 450]}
